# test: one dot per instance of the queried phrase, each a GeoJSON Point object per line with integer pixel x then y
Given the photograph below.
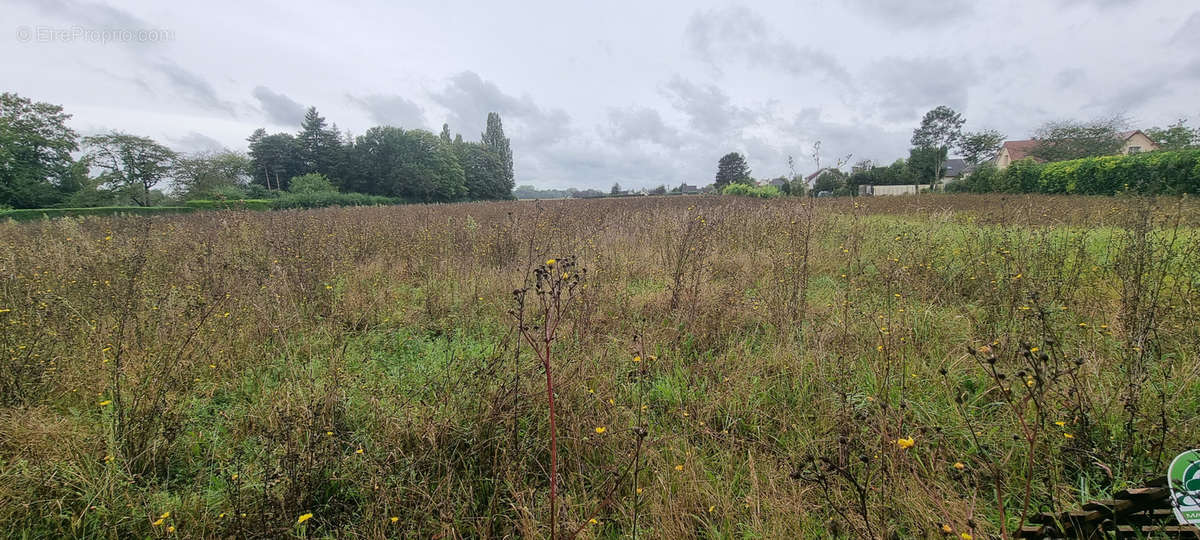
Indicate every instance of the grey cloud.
{"type": "Point", "coordinates": [1189, 32]}
{"type": "Point", "coordinates": [1069, 77]}
{"type": "Point", "coordinates": [196, 142]}
{"type": "Point", "coordinates": [740, 32]}
{"type": "Point", "coordinates": [280, 109]}
{"type": "Point", "coordinates": [910, 14]}
{"type": "Point", "coordinates": [709, 109]}
{"type": "Point", "coordinates": [1129, 97]}
{"type": "Point", "coordinates": [192, 86]}
{"type": "Point", "coordinates": [390, 110]}
{"type": "Point", "coordinates": [862, 139]}
{"type": "Point", "coordinates": [642, 124]}
{"type": "Point", "coordinates": [91, 14]}
{"type": "Point", "coordinates": [469, 98]}
{"type": "Point", "coordinates": [909, 87]}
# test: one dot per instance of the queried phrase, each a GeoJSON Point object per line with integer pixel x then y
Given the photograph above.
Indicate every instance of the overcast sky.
{"type": "Point", "coordinates": [593, 92]}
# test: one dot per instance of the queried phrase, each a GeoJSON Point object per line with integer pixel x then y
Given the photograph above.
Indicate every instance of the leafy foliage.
{"type": "Point", "coordinates": [732, 169]}
{"type": "Point", "coordinates": [1168, 172]}
{"type": "Point", "coordinates": [36, 168]}
{"type": "Point", "coordinates": [747, 190]}
{"type": "Point", "coordinates": [1067, 140]}
{"type": "Point", "coordinates": [132, 165]}
{"type": "Point", "coordinates": [977, 146]}
{"type": "Point", "coordinates": [310, 183]}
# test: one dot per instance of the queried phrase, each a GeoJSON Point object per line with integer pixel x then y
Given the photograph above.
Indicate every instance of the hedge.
{"type": "Point", "coordinates": [1152, 173]}
{"type": "Point", "coordinates": [329, 198]}
{"type": "Point", "coordinates": [746, 190]}
{"type": "Point", "coordinates": [231, 204]}
{"type": "Point", "coordinates": [39, 213]}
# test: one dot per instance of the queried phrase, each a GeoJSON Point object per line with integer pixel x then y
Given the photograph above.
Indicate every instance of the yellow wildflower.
{"type": "Point", "coordinates": [905, 444]}
{"type": "Point", "coordinates": [637, 359]}
{"type": "Point", "coordinates": [303, 518]}
{"type": "Point", "coordinates": [1060, 423]}
{"type": "Point", "coordinates": [639, 491]}
{"type": "Point", "coordinates": [106, 403]}
{"type": "Point", "coordinates": [959, 465]}
{"type": "Point", "coordinates": [157, 523]}
{"type": "Point", "coordinates": [600, 430]}
{"type": "Point", "coordinates": [946, 529]}
{"type": "Point", "coordinates": [550, 262]}
{"type": "Point", "coordinates": [394, 519]}
{"type": "Point", "coordinates": [679, 467]}
{"type": "Point", "coordinates": [1068, 435]}
{"type": "Point", "coordinates": [593, 521]}
{"type": "Point", "coordinates": [965, 536]}
{"type": "Point", "coordinates": [171, 529]}
{"type": "Point", "coordinates": [359, 451]}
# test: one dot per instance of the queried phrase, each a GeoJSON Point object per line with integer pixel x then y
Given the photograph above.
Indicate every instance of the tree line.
{"type": "Point", "coordinates": [45, 164]}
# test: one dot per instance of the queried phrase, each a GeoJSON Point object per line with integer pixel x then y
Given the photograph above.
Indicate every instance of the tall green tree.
{"type": "Point", "coordinates": [319, 145]}
{"type": "Point", "coordinates": [35, 153]}
{"type": "Point", "coordinates": [274, 159]}
{"type": "Point", "coordinates": [209, 174]}
{"type": "Point", "coordinates": [412, 164]}
{"type": "Point", "coordinates": [484, 173]}
{"type": "Point", "coordinates": [1177, 136]}
{"type": "Point", "coordinates": [131, 164]}
{"type": "Point", "coordinates": [926, 165]}
{"type": "Point", "coordinates": [1069, 139]}
{"type": "Point", "coordinates": [977, 146]}
{"type": "Point", "coordinates": [940, 130]}
{"type": "Point", "coordinates": [446, 134]}
{"type": "Point", "coordinates": [732, 169]}
{"type": "Point", "coordinates": [495, 141]}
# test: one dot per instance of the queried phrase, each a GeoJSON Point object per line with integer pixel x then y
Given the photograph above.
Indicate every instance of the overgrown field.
{"type": "Point", "coordinates": [721, 367]}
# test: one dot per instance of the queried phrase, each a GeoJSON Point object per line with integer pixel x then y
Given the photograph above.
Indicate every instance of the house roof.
{"type": "Point", "coordinates": [810, 177]}
{"type": "Point", "coordinates": [955, 167]}
{"type": "Point", "coordinates": [1018, 150]}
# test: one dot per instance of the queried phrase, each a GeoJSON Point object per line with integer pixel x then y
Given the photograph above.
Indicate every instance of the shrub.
{"type": "Point", "coordinates": [745, 190]}
{"type": "Point", "coordinates": [236, 204]}
{"type": "Point", "coordinates": [39, 213]}
{"type": "Point", "coordinates": [311, 183]}
{"type": "Point", "coordinates": [327, 198]}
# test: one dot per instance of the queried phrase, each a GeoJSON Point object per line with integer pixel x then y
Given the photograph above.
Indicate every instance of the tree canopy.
{"type": "Point", "coordinates": [732, 169]}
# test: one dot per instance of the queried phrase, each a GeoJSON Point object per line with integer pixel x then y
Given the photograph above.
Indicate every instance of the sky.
{"type": "Point", "coordinates": [592, 93]}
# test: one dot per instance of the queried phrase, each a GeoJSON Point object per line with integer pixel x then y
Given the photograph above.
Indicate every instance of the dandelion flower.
{"type": "Point", "coordinates": [303, 518]}
{"type": "Point", "coordinates": [946, 529]}
{"type": "Point", "coordinates": [959, 465]}
{"type": "Point", "coordinates": [600, 430]}
{"type": "Point", "coordinates": [905, 444]}
{"type": "Point", "coordinates": [637, 359]}
{"type": "Point", "coordinates": [234, 477]}
{"type": "Point", "coordinates": [394, 519]}
{"type": "Point", "coordinates": [1068, 435]}
{"type": "Point", "coordinates": [171, 529]}
{"type": "Point", "coordinates": [157, 523]}
{"type": "Point", "coordinates": [593, 521]}
{"type": "Point", "coordinates": [359, 451]}
{"type": "Point", "coordinates": [550, 262]}
{"type": "Point", "coordinates": [639, 491]}
{"type": "Point", "coordinates": [106, 403]}
{"type": "Point", "coordinates": [965, 536]}
{"type": "Point", "coordinates": [679, 467]}
{"type": "Point", "coordinates": [1060, 423]}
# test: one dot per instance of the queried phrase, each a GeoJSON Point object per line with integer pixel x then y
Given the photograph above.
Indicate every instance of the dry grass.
{"type": "Point", "coordinates": [239, 370]}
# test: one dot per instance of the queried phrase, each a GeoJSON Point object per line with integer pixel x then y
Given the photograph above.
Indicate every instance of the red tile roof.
{"type": "Point", "coordinates": [1019, 149]}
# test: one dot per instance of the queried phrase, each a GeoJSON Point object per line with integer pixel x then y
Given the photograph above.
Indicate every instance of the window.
{"type": "Point", "coordinates": [1135, 149]}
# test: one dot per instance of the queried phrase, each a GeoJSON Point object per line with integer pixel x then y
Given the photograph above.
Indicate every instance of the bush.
{"type": "Point", "coordinates": [745, 190]}
{"type": "Point", "coordinates": [323, 199]}
{"type": "Point", "coordinates": [236, 204]}
{"type": "Point", "coordinates": [1152, 173]}
{"type": "Point", "coordinates": [311, 183]}
{"type": "Point", "coordinates": [40, 213]}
